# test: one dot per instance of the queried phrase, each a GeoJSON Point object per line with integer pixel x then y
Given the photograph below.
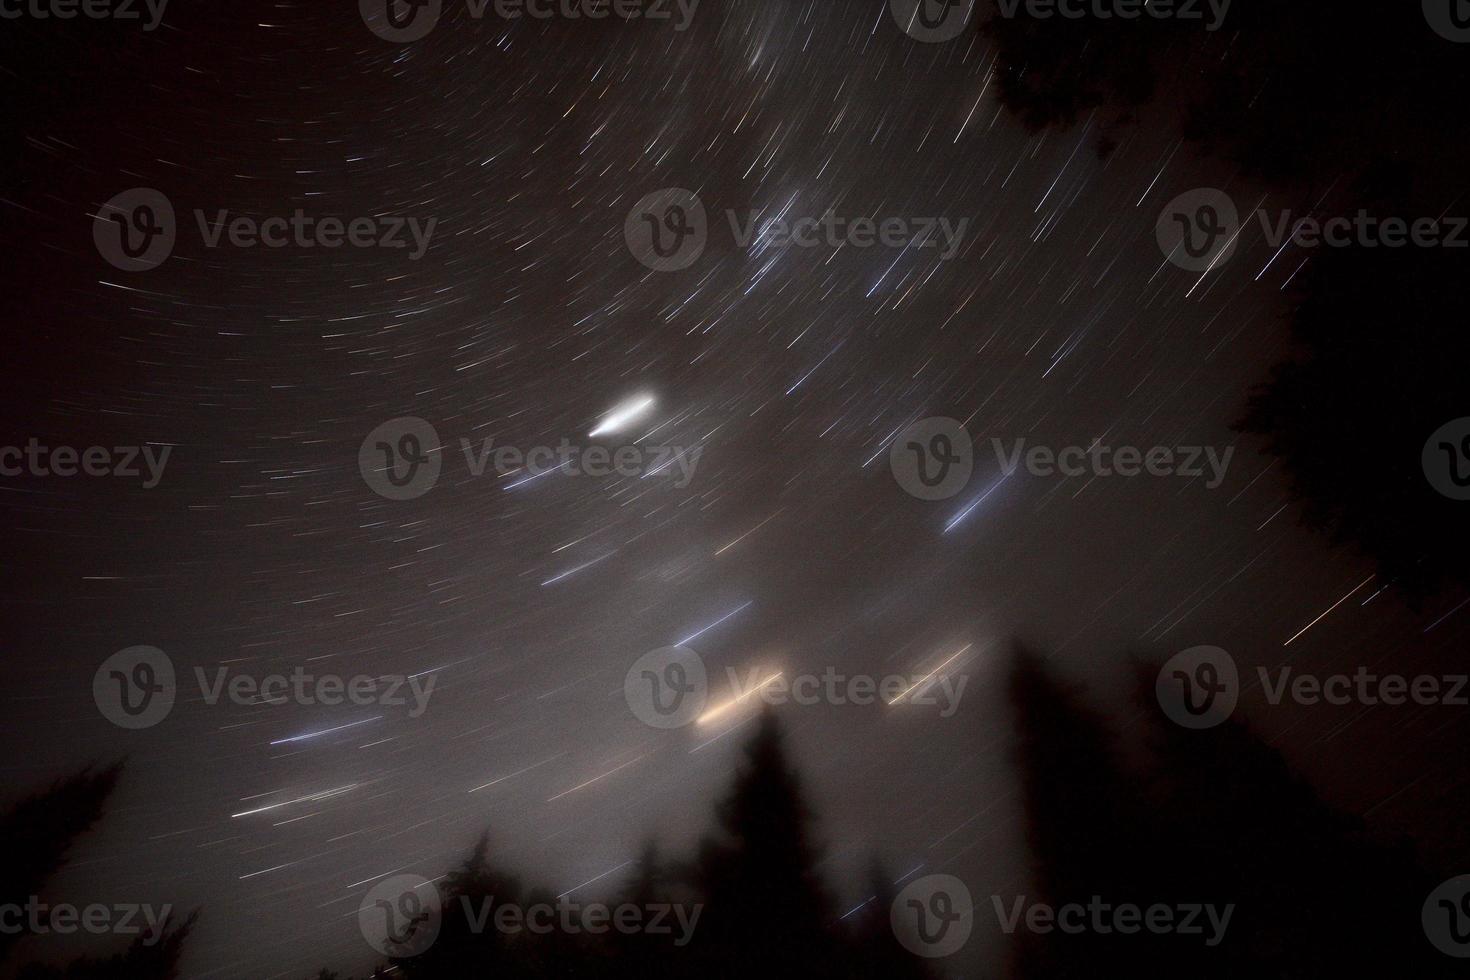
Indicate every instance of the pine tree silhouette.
{"type": "Point", "coordinates": [1218, 819]}
{"type": "Point", "coordinates": [36, 835]}
{"type": "Point", "coordinates": [1315, 894]}
{"type": "Point", "coordinates": [767, 913]}
{"type": "Point", "coordinates": [468, 942]}
{"type": "Point", "coordinates": [1360, 111]}
{"type": "Point", "coordinates": [641, 953]}
{"type": "Point", "coordinates": [146, 958]}
{"type": "Point", "coordinates": [1085, 827]}
{"type": "Point", "coordinates": [1214, 817]}
{"type": "Point", "coordinates": [876, 951]}
{"type": "Point", "coordinates": [1251, 92]}
{"type": "Point", "coordinates": [1375, 325]}
{"type": "Point", "coordinates": [762, 907]}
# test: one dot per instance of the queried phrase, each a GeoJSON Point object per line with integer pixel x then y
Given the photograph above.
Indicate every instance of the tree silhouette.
{"type": "Point", "coordinates": [758, 875]}
{"type": "Point", "coordinates": [640, 953]}
{"type": "Point", "coordinates": [1086, 830]}
{"type": "Point", "coordinates": [1174, 818]}
{"type": "Point", "coordinates": [37, 832]}
{"type": "Point", "coordinates": [1252, 92]}
{"type": "Point", "coordinates": [1381, 368]}
{"type": "Point", "coordinates": [36, 835]}
{"type": "Point", "coordinates": [1051, 72]}
{"type": "Point", "coordinates": [469, 942]}
{"type": "Point", "coordinates": [1315, 894]}
{"type": "Point", "coordinates": [878, 953]}
{"type": "Point", "coordinates": [762, 907]}
{"type": "Point", "coordinates": [147, 957]}
{"type": "Point", "coordinates": [1217, 818]}
{"type": "Point", "coordinates": [1363, 109]}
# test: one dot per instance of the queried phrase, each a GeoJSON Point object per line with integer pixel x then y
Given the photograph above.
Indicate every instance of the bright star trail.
{"type": "Point", "coordinates": [619, 417]}
{"type": "Point", "coordinates": [719, 710]}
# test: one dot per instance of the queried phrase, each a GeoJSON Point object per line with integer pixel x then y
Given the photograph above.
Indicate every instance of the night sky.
{"type": "Point", "coordinates": [785, 371]}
